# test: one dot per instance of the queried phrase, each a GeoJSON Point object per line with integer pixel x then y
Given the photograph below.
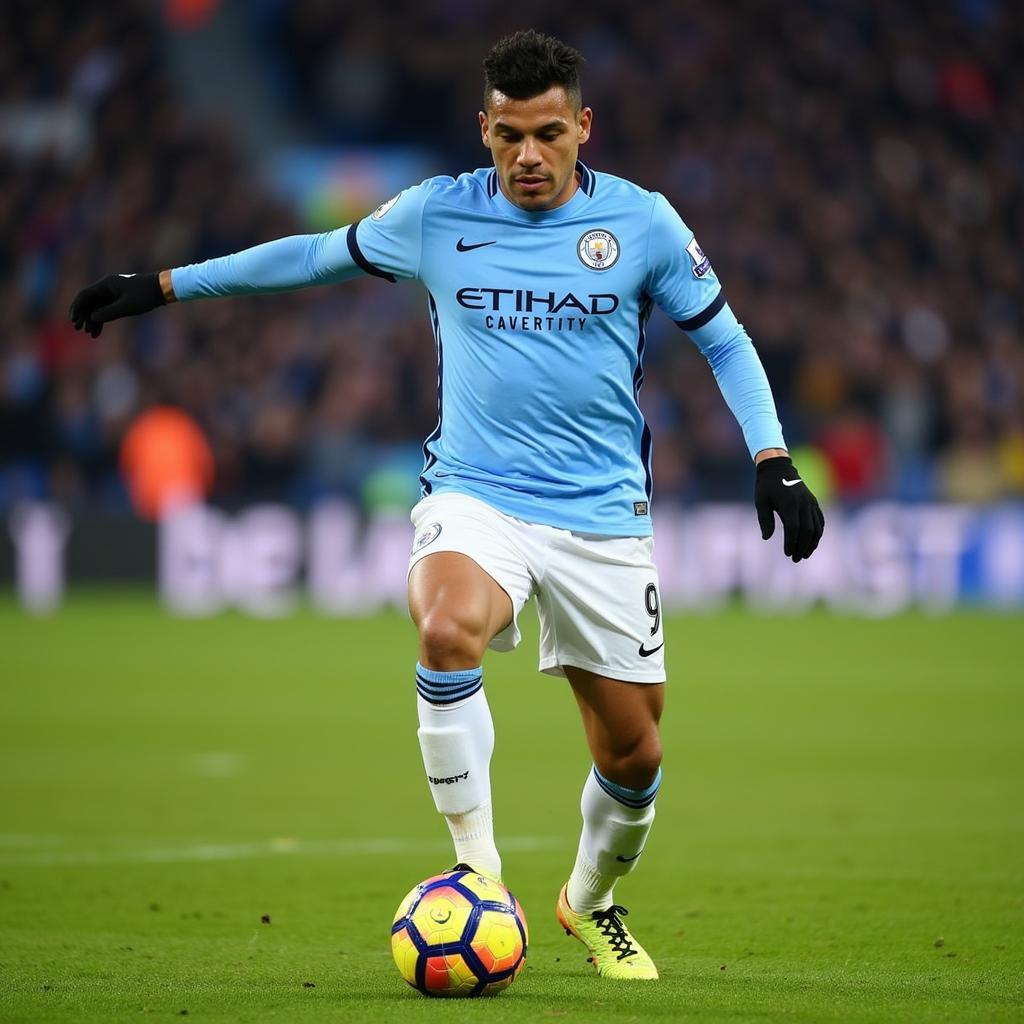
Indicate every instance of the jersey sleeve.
{"type": "Point", "coordinates": [680, 277]}
{"type": "Point", "coordinates": [298, 261]}
{"type": "Point", "coordinates": [389, 242]}
{"type": "Point", "coordinates": [682, 282]}
{"type": "Point", "coordinates": [734, 361]}
{"type": "Point", "coordinates": [386, 244]}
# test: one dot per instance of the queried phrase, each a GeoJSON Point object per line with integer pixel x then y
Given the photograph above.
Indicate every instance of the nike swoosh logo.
{"type": "Point", "coordinates": [644, 653]}
{"type": "Point", "coordinates": [790, 483]}
{"type": "Point", "coordinates": [626, 860]}
{"type": "Point", "coordinates": [462, 247]}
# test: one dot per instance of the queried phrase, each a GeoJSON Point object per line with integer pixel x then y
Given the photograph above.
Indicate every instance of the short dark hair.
{"type": "Point", "coordinates": [528, 63]}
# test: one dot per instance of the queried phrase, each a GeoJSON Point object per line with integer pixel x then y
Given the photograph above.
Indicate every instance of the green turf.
{"type": "Point", "coordinates": [839, 835]}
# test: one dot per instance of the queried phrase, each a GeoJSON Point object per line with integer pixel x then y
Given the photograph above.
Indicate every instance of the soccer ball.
{"type": "Point", "coordinates": [459, 934]}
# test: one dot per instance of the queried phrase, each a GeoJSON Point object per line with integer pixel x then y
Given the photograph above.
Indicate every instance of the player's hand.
{"type": "Point", "coordinates": [113, 297]}
{"type": "Point", "coordinates": [780, 489]}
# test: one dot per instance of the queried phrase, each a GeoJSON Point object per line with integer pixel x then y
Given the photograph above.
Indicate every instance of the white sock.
{"type": "Point", "coordinates": [456, 737]}
{"type": "Point", "coordinates": [616, 822]}
{"type": "Point", "coordinates": [473, 835]}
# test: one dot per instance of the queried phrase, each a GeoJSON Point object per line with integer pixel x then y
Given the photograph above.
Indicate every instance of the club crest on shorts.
{"type": "Point", "coordinates": [384, 207]}
{"type": "Point", "coordinates": [701, 264]}
{"type": "Point", "coordinates": [426, 536]}
{"type": "Point", "coordinates": [598, 249]}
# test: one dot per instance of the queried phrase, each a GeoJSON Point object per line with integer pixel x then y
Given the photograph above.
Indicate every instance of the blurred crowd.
{"type": "Point", "coordinates": [853, 170]}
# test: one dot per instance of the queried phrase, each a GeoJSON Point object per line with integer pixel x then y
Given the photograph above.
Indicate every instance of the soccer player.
{"type": "Point", "coordinates": [541, 274]}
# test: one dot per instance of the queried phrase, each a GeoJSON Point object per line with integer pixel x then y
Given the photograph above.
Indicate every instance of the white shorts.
{"type": "Point", "coordinates": [597, 597]}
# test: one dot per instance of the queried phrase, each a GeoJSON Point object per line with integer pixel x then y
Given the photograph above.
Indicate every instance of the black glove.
{"type": "Point", "coordinates": [780, 489]}
{"type": "Point", "coordinates": [113, 297]}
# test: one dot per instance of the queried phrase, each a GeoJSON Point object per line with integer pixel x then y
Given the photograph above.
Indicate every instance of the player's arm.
{"type": "Point", "coordinates": [389, 250]}
{"type": "Point", "coordinates": [744, 385]}
{"type": "Point", "coordinates": [683, 283]}
{"type": "Point", "coordinates": [284, 264]}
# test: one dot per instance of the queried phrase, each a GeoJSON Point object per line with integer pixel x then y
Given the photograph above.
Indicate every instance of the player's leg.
{"type": "Point", "coordinates": [457, 609]}
{"type": "Point", "coordinates": [621, 723]}
{"type": "Point", "coordinates": [601, 628]}
{"type": "Point", "coordinates": [468, 580]}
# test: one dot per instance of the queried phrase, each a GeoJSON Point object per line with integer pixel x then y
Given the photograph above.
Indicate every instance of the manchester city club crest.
{"type": "Point", "coordinates": [384, 207]}
{"type": "Point", "coordinates": [598, 249]}
{"type": "Point", "coordinates": [427, 536]}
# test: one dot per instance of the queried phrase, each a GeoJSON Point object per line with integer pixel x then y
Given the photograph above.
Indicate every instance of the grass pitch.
{"type": "Point", "coordinates": [217, 819]}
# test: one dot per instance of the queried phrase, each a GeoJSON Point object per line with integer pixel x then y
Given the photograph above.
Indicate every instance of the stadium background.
{"type": "Point", "coordinates": [853, 170]}
{"type": "Point", "coordinates": [842, 796]}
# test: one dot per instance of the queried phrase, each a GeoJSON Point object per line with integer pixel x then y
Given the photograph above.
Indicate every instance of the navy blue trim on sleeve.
{"type": "Point", "coordinates": [361, 260]}
{"type": "Point", "coordinates": [702, 318]}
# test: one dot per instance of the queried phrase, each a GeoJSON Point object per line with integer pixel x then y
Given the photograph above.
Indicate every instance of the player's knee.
{"type": "Point", "coordinates": [644, 761]}
{"type": "Point", "coordinates": [635, 764]}
{"type": "Point", "coordinates": [449, 643]}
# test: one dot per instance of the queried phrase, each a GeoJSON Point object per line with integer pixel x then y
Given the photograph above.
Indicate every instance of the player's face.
{"type": "Point", "coordinates": [534, 143]}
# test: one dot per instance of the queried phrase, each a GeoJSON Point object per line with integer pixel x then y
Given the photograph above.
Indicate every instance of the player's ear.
{"type": "Point", "coordinates": [485, 135]}
{"type": "Point", "coordinates": [583, 125]}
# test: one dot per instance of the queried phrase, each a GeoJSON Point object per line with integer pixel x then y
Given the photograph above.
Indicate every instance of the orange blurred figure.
{"type": "Point", "coordinates": [166, 462]}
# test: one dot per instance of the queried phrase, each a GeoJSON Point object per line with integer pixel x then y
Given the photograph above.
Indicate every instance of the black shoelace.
{"type": "Point", "coordinates": [610, 923]}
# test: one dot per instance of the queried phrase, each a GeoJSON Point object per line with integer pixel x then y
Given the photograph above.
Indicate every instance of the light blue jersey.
{"type": "Point", "coordinates": [539, 321]}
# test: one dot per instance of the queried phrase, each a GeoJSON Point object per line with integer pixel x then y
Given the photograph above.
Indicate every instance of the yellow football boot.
{"type": "Point", "coordinates": [613, 951]}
